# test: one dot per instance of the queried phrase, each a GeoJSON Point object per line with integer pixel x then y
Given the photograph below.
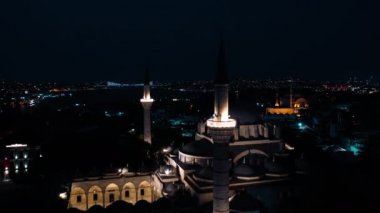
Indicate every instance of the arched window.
{"type": "Point", "coordinates": [129, 193]}
{"type": "Point", "coordinates": [112, 194]}
{"type": "Point", "coordinates": [78, 199]}
{"type": "Point", "coordinates": [95, 196]}
{"type": "Point", "coordinates": [145, 191]}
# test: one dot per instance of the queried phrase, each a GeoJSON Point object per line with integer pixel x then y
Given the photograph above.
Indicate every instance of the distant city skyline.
{"type": "Point", "coordinates": [100, 41]}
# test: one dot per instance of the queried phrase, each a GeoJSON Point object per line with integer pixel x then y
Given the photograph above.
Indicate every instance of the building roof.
{"type": "Point", "coordinates": [170, 188]}
{"type": "Point", "coordinates": [201, 148]}
{"type": "Point", "coordinates": [244, 170]}
{"type": "Point", "coordinates": [205, 173]}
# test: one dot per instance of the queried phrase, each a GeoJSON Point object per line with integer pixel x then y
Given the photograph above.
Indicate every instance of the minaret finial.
{"type": "Point", "coordinates": [291, 94]}
{"type": "Point", "coordinates": [221, 75]}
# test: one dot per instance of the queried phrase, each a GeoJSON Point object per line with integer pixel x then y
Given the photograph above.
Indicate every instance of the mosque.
{"type": "Point", "coordinates": [279, 111]}
{"type": "Point", "coordinates": [228, 154]}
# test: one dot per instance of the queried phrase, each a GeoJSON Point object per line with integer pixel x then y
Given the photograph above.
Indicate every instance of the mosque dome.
{"type": "Point", "coordinates": [246, 172]}
{"type": "Point", "coordinates": [166, 170]}
{"type": "Point", "coordinates": [276, 169]}
{"type": "Point", "coordinates": [170, 189]}
{"type": "Point", "coordinates": [173, 153]}
{"type": "Point", "coordinates": [143, 206]}
{"type": "Point", "coordinates": [96, 209]}
{"type": "Point", "coordinates": [202, 148]}
{"type": "Point", "coordinates": [244, 202]}
{"type": "Point", "coordinates": [301, 103]}
{"type": "Point", "coordinates": [302, 166]}
{"type": "Point", "coordinates": [119, 206]}
{"type": "Point", "coordinates": [205, 175]}
{"type": "Point", "coordinates": [163, 204]}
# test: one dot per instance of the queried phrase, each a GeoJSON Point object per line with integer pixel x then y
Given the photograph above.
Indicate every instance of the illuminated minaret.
{"type": "Point", "coordinates": [221, 129]}
{"type": "Point", "coordinates": [147, 102]}
{"type": "Point", "coordinates": [291, 95]}
{"type": "Point", "coordinates": [277, 104]}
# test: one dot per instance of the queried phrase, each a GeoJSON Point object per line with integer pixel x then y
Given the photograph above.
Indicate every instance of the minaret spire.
{"type": "Point", "coordinates": [147, 102]}
{"type": "Point", "coordinates": [221, 74]}
{"type": "Point", "coordinates": [221, 129]}
{"type": "Point", "coordinates": [277, 104]}
{"type": "Point", "coordinates": [221, 87]}
{"type": "Point", "coordinates": [291, 94]}
{"type": "Point", "coordinates": [146, 85]}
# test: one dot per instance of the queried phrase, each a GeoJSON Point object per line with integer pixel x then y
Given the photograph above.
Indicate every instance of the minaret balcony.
{"type": "Point", "coordinates": [143, 100]}
{"type": "Point", "coordinates": [229, 123]}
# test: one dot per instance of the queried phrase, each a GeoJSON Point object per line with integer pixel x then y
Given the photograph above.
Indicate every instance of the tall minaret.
{"type": "Point", "coordinates": [221, 129]}
{"type": "Point", "coordinates": [277, 104]}
{"type": "Point", "coordinates": [291, 94]}
{"type": "Point", "coordinates": [147, 102]}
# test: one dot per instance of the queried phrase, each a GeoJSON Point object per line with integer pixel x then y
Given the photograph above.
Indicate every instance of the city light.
{"type": "Point", "coordinates": [16, 145]}
{"type": "Point", "coordinates": [6, 171]}
{"type": "Point", "coordinates": [63, 195]}
{"type": "Point", "coordinates": [354, 150]}
{"type": "Point", "coordinates": [167, 171]}
{"type": "Point", "coordinates": [288, 147]}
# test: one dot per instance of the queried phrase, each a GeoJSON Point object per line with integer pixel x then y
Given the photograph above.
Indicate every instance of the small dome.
{"type": "Point", "coordinates": [276, 169]}
{"type": "Point", "coordinates": [119, 206]}
{"type": "Point", "coordinates": [167, 170]}
{"type": "Point", "coordinates": [143, 206]}
{"type": "Point", "coordinates": [244, 202]}
{"type": "Point", "coordinates": [301, 103]}
{"type": "Point", "coordinates": [96, 209]}
{"type": "Point", "coordinates": [205, 174]}
{"type": "Point", "coordinates": [173, 153]}
{"type": "Point", "coordinates": [246, 172]}
{"type": "Point", "coordinates": [302, 166]}
{"type": "Point", "coordinates": [170, 189]}
{"type": "Point", "coordinates": [163, 204]}
{"type": "Point", "coordinates": [201, 148]}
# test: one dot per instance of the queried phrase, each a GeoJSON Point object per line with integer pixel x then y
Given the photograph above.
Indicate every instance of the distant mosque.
{"type": "Point", "coordinates": [295, 109]}
{"type": "Point", "coordinates": [227, 155]}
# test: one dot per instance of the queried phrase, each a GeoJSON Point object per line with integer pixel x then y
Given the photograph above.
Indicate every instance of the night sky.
{"type": "Point", "coordinates": [90, 40]}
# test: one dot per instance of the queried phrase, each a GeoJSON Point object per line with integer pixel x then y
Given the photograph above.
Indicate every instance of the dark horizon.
{"type": "Point", "coordinates": [94, 40]}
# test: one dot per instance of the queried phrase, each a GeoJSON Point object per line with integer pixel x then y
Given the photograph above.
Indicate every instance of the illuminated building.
{"type": "Point", "coordinates": [221, 129]}
{"type": "Point", "coordinates": [294, 110]}
{"type": "Point", "coordinates": [226, 156]}
{"type": "Point", "coordinates": [147, 102]}
{"type": "Point", "coordinates": [19, 157]}
{"type": "Point", "coordinates": [130, 187]}
{"type": "Point", "coordinates": [124, 184]}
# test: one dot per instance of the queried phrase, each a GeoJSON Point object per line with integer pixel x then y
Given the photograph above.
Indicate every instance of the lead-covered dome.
{"type": "Point", "coordinates": [246, 172]}
{"type": "Point", "coordinates": [202, 148]}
